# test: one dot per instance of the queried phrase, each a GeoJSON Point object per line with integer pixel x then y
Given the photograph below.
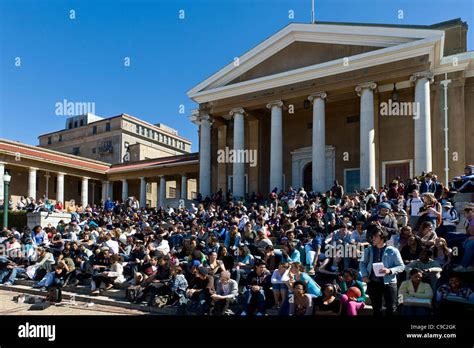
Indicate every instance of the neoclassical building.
{"type": "Point", "coordinates": [360, 103]}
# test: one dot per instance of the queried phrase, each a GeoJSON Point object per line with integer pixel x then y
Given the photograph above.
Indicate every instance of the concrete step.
{"type": "Point", "coordinates": [101, 299]}
{"type": "Point", "coordinates": [116, 298]}
{"type": "Point", "coordinates": [463, 197]}
{"type": "Point", "coordinates": [80, 289]}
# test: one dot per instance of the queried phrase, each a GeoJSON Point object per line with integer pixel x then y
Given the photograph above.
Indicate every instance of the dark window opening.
{"type": "Point", "coordinates": [352, 119]}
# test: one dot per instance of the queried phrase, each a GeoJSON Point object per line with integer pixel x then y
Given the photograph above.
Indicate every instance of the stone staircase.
{"type": "Point", "coordinates": [115, 298]}
{"type": "Point", "coordinates": [460, 201]}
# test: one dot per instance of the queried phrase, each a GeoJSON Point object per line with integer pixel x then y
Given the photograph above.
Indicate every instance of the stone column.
{"type": "Point", "coordinates": [205, 156]}
{"type": "Point", "coordinates": [2, 171]}
{"type": "Point", "coordinates": [222, 165]}
{"type": "Point", "coordinates": [32, 182]}
{"type": "Point", "coordinates": [111, 190]}
{"type": "Point", "coordinates": [46, 190]}
{"type": "Point", "coordinates": [93, 193]}
{"type": "Point", "coordinates": [184, 187]}
{"type": "Point", "coordinates": [238, 189]}
{"type": "Point", "coordinates": [142, 192]}
{"type": "Point", "coordinates": [162, 191]}
{"type": "Point", "coordinates": [319, 142]}
{"type": "Point", "coordinates": [60, 188]}
{"type": "Point", "coordinates": [367, 134]}
{"type": "Point", "coordinates": [422, 141]}
{"type": "Point", "coordinates": [276, 145]}
{"type": "Point", "coordinates": [124, 190]}
{"type": "Point", "coordinates": [85, 192]}
{"type": "Point", "coordinates": [105, 190]}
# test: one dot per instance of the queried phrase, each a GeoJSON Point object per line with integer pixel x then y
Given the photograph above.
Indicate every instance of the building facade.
{"type": "Point", "coordinates": [37, 173]}
{"type": "Point", "coordinates": [117, 139]}
{"type": "Point", "coordinates": [360, 103]}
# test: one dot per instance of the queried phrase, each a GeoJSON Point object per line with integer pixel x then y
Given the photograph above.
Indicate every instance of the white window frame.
{"type": "Point", "coordinates": [230, 178]}
{"type": "Point", "coordinates": [345, 176]}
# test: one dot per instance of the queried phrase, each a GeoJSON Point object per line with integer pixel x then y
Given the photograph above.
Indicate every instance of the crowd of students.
{"type": "Point", "coordinates": [291, 253]}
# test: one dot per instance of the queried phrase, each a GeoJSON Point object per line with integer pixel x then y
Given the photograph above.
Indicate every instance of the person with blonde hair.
{"type": "Point", "coordinates": [431, 210]}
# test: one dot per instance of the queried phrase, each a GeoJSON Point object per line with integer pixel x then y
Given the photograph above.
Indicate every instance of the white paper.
{"type": "Point", "coordinates": [377, 267]}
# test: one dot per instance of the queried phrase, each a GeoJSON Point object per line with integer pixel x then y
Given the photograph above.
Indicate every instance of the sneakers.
{"type": "Point", "coordinates": [259, 314]}
{"type": "Point", "coordinates": [243, 313]}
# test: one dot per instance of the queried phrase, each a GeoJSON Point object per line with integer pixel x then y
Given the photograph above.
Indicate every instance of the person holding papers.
{"type": "Point", "coordinates": [379, 268]}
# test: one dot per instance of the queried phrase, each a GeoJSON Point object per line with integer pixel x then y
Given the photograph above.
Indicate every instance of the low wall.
{"type": "Point", "coordinates": [43, 219]}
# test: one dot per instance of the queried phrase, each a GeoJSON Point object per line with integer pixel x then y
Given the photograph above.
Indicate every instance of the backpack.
{"type": "Point", "coordinates": [54, 295]}
{"type": "Point", "coordinates": [134, 293]}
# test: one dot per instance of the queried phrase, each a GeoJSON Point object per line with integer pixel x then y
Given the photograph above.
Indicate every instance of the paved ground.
{"type": "Point", "coordinates": [10, 307]}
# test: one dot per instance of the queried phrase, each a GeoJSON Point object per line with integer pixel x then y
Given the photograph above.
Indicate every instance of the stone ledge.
{"type": "Point", "coordinates": [43, 219]}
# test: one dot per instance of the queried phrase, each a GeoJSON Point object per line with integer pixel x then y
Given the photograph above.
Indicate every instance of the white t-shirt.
{"type": "Point", "coordinates": [414, 204]}
{"type": "Point", "coordinates": [113, 246]}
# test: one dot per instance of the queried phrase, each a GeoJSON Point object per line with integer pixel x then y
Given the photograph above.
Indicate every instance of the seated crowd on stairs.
{"type": "Point", "coordinates": [396, 250]}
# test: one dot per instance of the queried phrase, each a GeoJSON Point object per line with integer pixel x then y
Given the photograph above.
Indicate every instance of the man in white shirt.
{"type": "Point", "coordinates": [413, 208]}
{"type": "Point", "coordinates": [162, 245]}
{"type": "Point", "coordinates": [112, 244]}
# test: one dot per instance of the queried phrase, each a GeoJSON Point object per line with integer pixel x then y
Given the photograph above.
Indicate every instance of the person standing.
{"type": "Point", "coordinates": [337, 191]}
{"type": "Point", "coordinates": [413, 208]}
{"type": "Point", "coordinates": [384, 284]}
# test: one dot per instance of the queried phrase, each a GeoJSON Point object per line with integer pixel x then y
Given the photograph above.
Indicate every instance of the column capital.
{"type": "Point", "coordinates": [273, 103]}
{"type": "Point", "coordinates": [33, 169]}
{"type": "Point", "coordinates": [60, 174]}
{"type": "Point", "coordinates": [235, 111]}
{"type": "Point", "coordinates": [366, 85]}
{"type": "Point", "coordinates": [428, 74]}
{"type": "Point", "coordinates": [85, 178]}
{"type": "Point", "coordinates": [316, 95]}
{"type": "Point", "coordinates": [123, 180]}
{"type": "Point", "coordinates": [199, 117]}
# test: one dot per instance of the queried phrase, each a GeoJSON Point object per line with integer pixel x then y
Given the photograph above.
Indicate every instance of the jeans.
{"type": "Point", "coordinates": [237, 274]}
{"type": "Point", "coordinates": [13, 272]}
{"type": "Point", "coordinates": [48, 279]}
{"type": "Point", "coordinates": [468, 258]}
{"type": "Point", "coordinates": [378, 292]}
{"type": "Point", "coordinates": [254, 301]}
{"type": "Point", "coordinates": [415, 311]}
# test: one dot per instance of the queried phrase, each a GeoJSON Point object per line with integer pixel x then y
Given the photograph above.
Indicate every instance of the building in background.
{"type": "Point", "coordinates": [360, 103]}
{"type": "Point", "coordinates": [117, 139]}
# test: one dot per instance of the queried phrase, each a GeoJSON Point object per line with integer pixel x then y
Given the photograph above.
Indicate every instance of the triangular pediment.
{"type": "Point", "coordinates": [299, 46]}
{"type": "Point", "coordinates": [300, 54]}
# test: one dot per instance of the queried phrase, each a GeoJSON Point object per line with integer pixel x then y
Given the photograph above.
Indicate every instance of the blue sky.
{"type": "Point", "coordinates": [83, 59]}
